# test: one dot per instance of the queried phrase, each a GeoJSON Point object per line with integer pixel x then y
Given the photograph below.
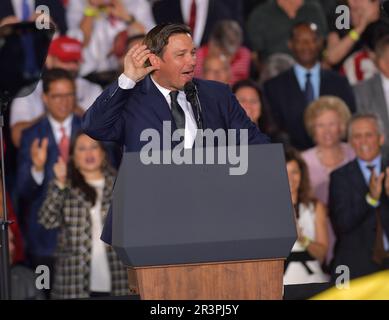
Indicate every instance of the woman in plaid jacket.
{"type": "Point", "coordinates": [77, 201]}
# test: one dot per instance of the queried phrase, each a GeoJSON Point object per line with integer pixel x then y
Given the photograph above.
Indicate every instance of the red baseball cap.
{"type": "Point", "coordinates": [66, 49]}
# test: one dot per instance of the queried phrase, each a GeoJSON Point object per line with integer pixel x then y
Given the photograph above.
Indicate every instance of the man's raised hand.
{"type": "Point", "coordinates": [134, 63]}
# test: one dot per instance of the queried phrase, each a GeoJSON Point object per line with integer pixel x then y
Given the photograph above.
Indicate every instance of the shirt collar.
{"type": "Point", "coordinates": [376, 162]}
{"type": "Point", "coordinates": [315, 70]}
{"type": "Point", "coordinates": [57, 125]}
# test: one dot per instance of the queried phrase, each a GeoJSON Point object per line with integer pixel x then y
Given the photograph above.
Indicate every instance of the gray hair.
{"type": "Point", "coordinates": [228, 35]}
{"type": "Point", "coordinates": [367, 116]}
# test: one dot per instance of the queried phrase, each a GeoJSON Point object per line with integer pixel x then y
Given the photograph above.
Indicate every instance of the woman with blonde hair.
{"type": "Point", "coordinates": [326, 122]}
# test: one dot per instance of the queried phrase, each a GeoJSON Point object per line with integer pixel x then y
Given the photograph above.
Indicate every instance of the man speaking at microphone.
{"type": "Point", "coordinates": [151, 91]}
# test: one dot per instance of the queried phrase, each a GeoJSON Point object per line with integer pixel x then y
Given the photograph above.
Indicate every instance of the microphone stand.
{"type": "Point", "coordinates": [5, 278]}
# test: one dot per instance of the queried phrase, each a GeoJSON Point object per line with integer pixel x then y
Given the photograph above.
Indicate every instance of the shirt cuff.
{"type": "Point", "coordinates": [125, 82]}
{"type": "Point", "coordinates": [38, 176]}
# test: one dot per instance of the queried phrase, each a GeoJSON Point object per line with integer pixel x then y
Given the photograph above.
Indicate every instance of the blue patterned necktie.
{"type": "Point", "coordinates": [309, 94]}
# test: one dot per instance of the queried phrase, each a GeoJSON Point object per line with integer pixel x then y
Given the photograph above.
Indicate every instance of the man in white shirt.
{"type": "Point", "coordinates": [64, 53]}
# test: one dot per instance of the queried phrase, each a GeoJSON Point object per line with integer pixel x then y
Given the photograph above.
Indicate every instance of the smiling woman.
{"type": "Point", "coordinates": [76, 203]}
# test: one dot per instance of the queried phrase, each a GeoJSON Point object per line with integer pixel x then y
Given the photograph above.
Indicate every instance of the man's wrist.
{"type": "Point", "coordinates": [372, 201]}
{"type": "Point", "coordinates": [354, 35]}
{"type": "Point", "coordinates": [126, 82]}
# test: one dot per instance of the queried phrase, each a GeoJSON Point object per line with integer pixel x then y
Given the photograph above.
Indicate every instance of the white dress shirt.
{"type": "Point", "coordinates": [201, 17]}
{"type": "Point", "coordinates": [56, 126]}
{"type": "Point", "coordinates": [190, 122]}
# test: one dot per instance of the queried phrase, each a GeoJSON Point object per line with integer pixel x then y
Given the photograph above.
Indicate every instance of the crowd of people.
{"type": "Point", "coordinates": [321, 90]}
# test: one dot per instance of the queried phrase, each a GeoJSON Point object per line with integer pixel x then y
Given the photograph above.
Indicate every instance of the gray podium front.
{"type": "Point", "coordinates": [194, 231]}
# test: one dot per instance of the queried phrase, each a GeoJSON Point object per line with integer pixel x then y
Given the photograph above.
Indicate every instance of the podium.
{"type": "Point", "coordinates": [193, 231]}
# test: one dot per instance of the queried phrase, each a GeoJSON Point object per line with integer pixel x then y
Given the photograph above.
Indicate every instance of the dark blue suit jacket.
{"type": "Point", "coordinates": [354, 221]}
{"type": "Point", "coordinates": [121, 115]}
{"type": "Point", "coordinates": [287, 102]}
{"type": "Point", "coordinates": [40, 241]}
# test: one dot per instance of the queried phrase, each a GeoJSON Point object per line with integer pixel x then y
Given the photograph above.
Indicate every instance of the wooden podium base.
{"type": "Point", "coordinates": [240, 280]}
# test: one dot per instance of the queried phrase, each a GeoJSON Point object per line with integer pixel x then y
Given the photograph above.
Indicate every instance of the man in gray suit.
{"type": "Point", "coordinates": [372, 95]}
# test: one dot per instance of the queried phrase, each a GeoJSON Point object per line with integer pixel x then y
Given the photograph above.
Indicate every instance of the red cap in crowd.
{"type": "Point", "coordinates": [66, 49]}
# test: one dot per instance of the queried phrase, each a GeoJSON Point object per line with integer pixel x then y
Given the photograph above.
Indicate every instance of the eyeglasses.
{"type": "Point", "coordinates": [60, 96]}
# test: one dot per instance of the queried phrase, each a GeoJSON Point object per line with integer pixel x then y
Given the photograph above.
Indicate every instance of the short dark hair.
{"type": "Point", "coordinates": [310, 25]}
{"type": "Point", "coordinates": [157, 38]}
{"type": "Point", "coordinates": [52, 75]}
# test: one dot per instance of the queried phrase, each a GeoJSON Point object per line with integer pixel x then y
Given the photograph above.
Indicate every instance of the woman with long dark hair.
{"type": "Point", "coordinates": [310, 249]}
{"type": "Point", "coordinates": [77, 201]}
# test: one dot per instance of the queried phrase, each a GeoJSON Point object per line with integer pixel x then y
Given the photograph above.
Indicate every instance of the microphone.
{"type": "Point", "coordinates": [192, 97]}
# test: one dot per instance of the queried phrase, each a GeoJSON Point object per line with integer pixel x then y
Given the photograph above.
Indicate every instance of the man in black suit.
{"type": "Point", "coordinates": [179, 11]}
{"type": "Point", "coordinates": [290, 92]}
{"type": "Point", "coordinates": [359, 203]}
{"type": "Point", "coordinates": [11, 13]}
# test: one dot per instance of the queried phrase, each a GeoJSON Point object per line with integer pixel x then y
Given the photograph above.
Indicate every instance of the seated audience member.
{"type": "Point", "coordinates": [41, 145]}
{"type": "Point", "coordinates": [226, 39]}
{"type": "Point", "coordinates": [373, 95]}
{"type": "Point", "coordinates": [77, 201]}
{"type": "Point", "coordinates": [96, 23]}
{"type": "Point", "coordinates": [270, 24]}
{"type": "Point", "coordinates": [64, 53]}
{"type": "Point", "coordinates": [359, 203]}
{"type": "Point", "coordinates": [293, 90]}
{"type": "Point", "coordinates": [309, 251]}
{"type": "Point", "coordinates": [326, 122]}
{"type": "Point", "coordinates": [217, 68]}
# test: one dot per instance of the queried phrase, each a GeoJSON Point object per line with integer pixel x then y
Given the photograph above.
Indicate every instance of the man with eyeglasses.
{"type": "Point", "coordinates": [41, 146]}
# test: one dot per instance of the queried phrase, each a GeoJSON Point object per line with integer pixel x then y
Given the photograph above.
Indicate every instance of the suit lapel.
{"type": "Point", "coordinates": [358, 178]}
{"type": "Point", "coordinates": [47, 131]}
{"type": "Point", "coordinates": [154, 99]}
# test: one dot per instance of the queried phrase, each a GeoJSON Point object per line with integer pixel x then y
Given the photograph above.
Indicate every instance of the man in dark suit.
{"type": "Point", "coordinates": [290, 92]}
{"type": "Point", "coordinates": [207, 13]}
{"type": "Point", "coordinates": [359, 203]}
{"type": "Point", "coordinates": [9, 13]}
{"type": "Point", "coordinates": [41, 146]}
{"type": "Point", "coordinates": [150, 92]}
